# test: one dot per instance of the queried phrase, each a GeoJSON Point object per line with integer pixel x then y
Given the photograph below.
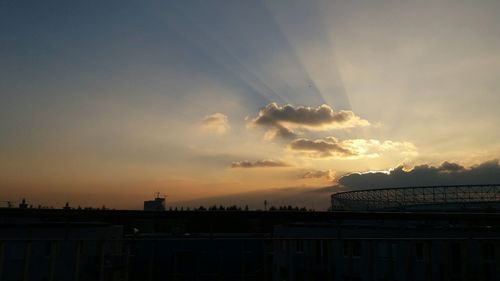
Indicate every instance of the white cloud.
{"type": "Point", "coordinates": [217, 123]}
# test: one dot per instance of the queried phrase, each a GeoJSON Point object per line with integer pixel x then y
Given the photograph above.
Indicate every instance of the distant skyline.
{"type": "Point", "coordinates": [106, 102]}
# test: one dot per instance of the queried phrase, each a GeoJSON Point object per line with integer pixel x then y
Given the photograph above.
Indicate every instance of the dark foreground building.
{"type": "Point", "coordinates": [405, 250]}
{"type": "Point", "coordinates": [249, 245]}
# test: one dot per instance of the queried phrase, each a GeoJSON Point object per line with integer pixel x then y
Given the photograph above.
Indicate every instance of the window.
{"type": "Point", "coordinates": [48, 248]}
{"type": "Point", "coordinates": [356, 248]}
{"type": "Point", "coordinates": [456, 257]}
{"type": "Point", "coordinates": [352, 249]}
{"type": "Point", "coordinates": [347, 250]}
{"type": "Point", "coordinates": [419, 251]}
{"type": "Point", "coordinates": [283, 245]}
{"type": "Point", "coordinates": [325, 250]}
{"type": "Point", "coordinates": [353, 278]}
{"type": "Point", "coordinates": [386, 249]}
{"type": "Point", "coordinates": [318, 251]}
{"type": "Point", "coordinates": [284, 272]}
{"type": "Point", "coordinates": [489, 251]}
{"type": "Point", "coordinates": [299, 246]}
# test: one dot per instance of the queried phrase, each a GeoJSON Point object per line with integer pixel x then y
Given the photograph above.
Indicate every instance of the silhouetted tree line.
{"type": "Point", "coordinates": [213, 208]}
{"type": "Point", "coordinates": [221, 208]}
{"type": "Point", "coordinates": [289, 208]}
{"type": "Point", "coordinates": [66, 207]}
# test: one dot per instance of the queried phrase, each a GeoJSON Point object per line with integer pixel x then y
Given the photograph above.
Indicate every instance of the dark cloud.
{"type": "Point", "coordinates": [351, 148]}
{"type": "Point", "coordinates": [451, 167]}
{"type": "Point", "coordinates": [259, 164]}
{"type": "Point", "coordinates": [321, 148]}
{"type": "Point", "coordinates": [445, 174]}
{"type": "Point", "coordinates": [317, 174]}
{"type": "Point", "coordinates": [280, 132]}
{"type": "Point", "coordinates": [282, 119]}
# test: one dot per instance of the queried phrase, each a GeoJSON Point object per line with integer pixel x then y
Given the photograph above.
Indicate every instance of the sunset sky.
{"type": "Point", "coordinates": [106, 102]}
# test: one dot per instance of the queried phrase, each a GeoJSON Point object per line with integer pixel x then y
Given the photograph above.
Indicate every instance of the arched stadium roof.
{"type": "Point", "coordinates": [453, 197]}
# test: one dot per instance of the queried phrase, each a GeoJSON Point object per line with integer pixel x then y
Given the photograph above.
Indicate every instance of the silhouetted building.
{"type": "Point", "coordinates": [158, 204]}
{"type": "Point", "coordinates": [61, 251]}
{"type": "Point", "coordinates": [385, 250]}
{"type": "Point", "coordinates": [55, 244]}
{"type": "Point", "coordinates": [202, 256]}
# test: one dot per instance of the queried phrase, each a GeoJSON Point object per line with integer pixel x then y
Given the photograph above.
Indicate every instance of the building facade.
{"type": "Point", "coordinates": [379, 253]}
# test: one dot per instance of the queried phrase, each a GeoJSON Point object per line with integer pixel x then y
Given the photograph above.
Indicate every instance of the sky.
{"type": "Point", "coordinates": [107, 102]}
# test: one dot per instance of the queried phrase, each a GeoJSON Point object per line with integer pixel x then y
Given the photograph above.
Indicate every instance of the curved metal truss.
{"type": "Point", "coordinates": [459, 196]}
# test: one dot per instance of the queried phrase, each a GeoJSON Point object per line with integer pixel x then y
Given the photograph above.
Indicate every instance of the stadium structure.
{"type": "Point", "coordinates": [421, 198]}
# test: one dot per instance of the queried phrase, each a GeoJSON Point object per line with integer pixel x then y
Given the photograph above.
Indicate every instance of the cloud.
{"type": "Point", "coordinates": [321, 148]}
{"type": "Point", "coordinates": [282, 120]}
{"type": "Point", "coordinates": [317, 174]}
{"type": "Point", "coordinates": [354, 148]}
{"type": "Point", "coordinates": [374, 148]}
{"type": "Point", "coordinates": [422, 175]}
{"type": "Point", "coordinates": [217, 123]}
{"type": "Point", "coordinates": [259, 164]}
{"type": "Point", "coordinates": [279, 132]}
